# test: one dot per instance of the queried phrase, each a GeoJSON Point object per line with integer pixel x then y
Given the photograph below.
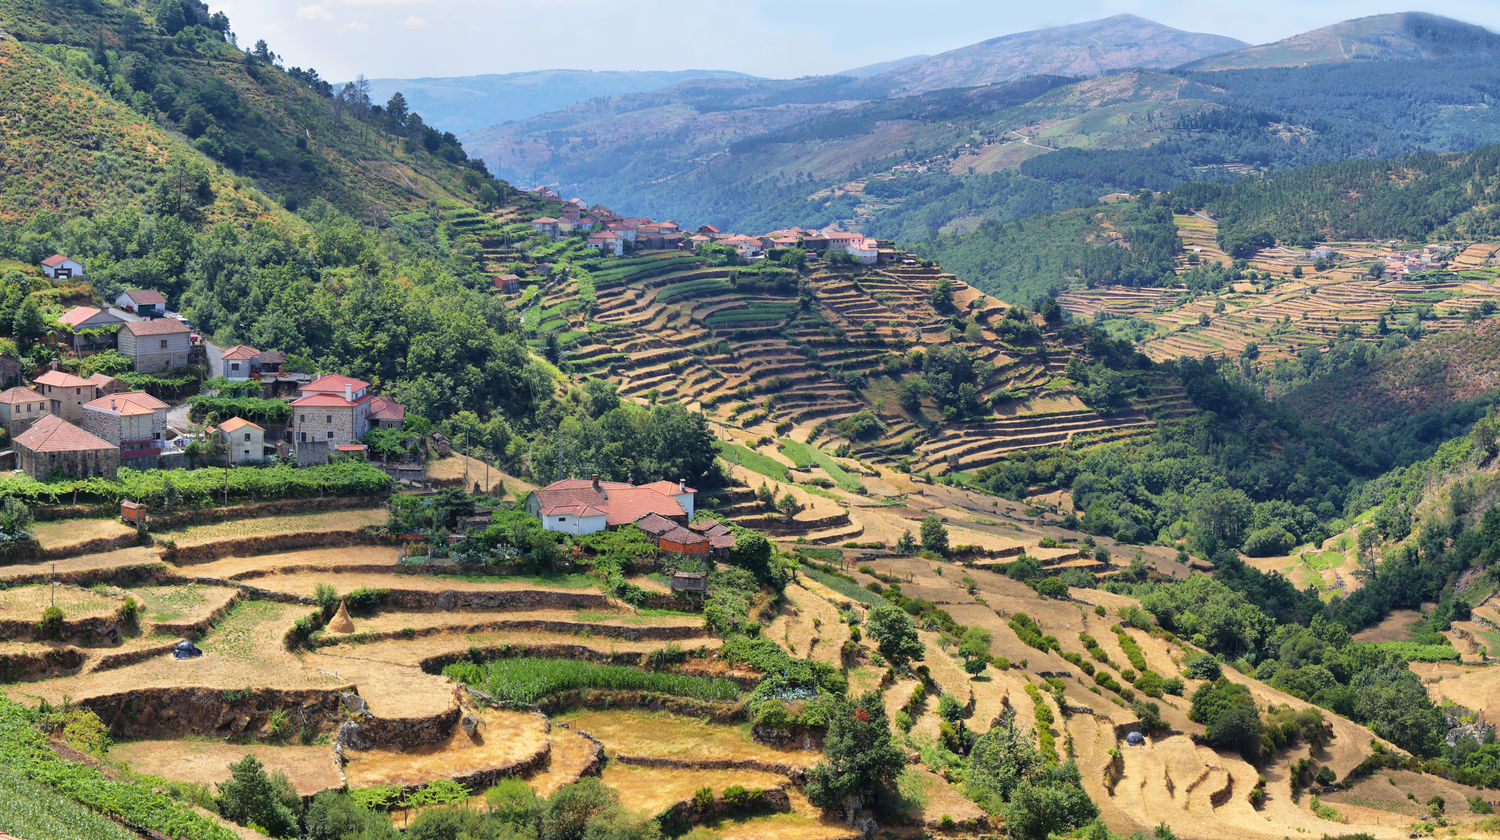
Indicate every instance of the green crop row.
{"type": "Point", "coordinates": [532, 680]}
{"type": "Point", "coordinates": [24, 752]}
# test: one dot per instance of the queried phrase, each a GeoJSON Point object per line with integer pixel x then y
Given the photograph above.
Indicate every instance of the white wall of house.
{"type": "Point", "coordinates": [575, 525]}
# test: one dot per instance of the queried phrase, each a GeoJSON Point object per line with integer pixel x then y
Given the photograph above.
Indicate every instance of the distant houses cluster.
{"type": "Point", "coordinates": [91, 426]}
{"type": "Point", "coordinates": [610, 233]}
{"type": "Point", "coordinates": [662, 509]}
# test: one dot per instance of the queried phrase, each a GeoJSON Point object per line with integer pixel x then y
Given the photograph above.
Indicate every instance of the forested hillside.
{"type": "Point", "coordinates": [287, 215]}
{"type": "Point", "coordinates": [1420, 198]}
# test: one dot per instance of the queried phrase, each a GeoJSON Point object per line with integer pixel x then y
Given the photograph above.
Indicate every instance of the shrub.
{"type": "Point", "coordinates": [252, 797]}
{"type": "Point", "coordinates": [51, 624]}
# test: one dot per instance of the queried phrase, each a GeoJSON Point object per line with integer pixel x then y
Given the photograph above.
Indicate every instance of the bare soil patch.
{"type": "Point", "coordinates": [310, 769]}
{"type": "Point", "coordinates": [645, 735]}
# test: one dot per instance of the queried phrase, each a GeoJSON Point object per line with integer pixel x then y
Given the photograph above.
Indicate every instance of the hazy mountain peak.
{"type": "Point", "coordinates": [1391, 37]}
{"type": "Point", "coordinates": [1080, 49]}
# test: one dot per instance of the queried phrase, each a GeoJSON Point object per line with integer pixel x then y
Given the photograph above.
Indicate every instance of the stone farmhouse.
{"type": "Point", "coordinates": [335, 410]}
{"type": "Point", "coordinates": [157, 345]}
{"type": "Point", "coordinates": [20, 407]}
{"type": "Point", "coordinates": [53, 443]}
{"type": "Point", "coordinates": [134, 421]}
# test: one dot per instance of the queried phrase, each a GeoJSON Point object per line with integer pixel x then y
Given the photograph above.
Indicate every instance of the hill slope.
{"type": "Point", "coordinates": [1082, 49]}
{"type": "Point", "coordinates": [469, 103]}
{"type": "Point", "coordinates": [1395, 37]}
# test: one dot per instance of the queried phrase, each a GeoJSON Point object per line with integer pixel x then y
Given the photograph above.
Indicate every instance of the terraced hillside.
{"type": "Point", "coordinates": [1281, 313]}
{"type": "Point", "coordinates": [818, 354]}
{"type": "Point", "coordinates": [266, 688]}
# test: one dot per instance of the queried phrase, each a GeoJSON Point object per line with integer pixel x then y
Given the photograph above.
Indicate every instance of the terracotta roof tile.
{"type": "Point", "coordinates": [334, 383]}
{"type": "Point", "coordinates": [129, 403]}
{"type": "Point", "coordinates": [11, 396]}
{"type": "Point", "coordinates": [54, 434]}
{"type": "Point", "coordinates": [240, 352]}
{"type": "Point", "coordinates": [58, 379]}
{"type": "Point", "coordinates": [622, 503]}
{"type": "Point", "coordinates": [78, 314]}
{"type": "Point", "coordinates": [234, 424]}
{"type": "Point", "coordinates": [669, 488]}
{"type": "Point", "coordinates": [139, 296]}
{"type": "Point", "coordinates": [54, 260]}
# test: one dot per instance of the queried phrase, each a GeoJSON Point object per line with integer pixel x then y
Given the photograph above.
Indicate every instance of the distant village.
{"type": "Point", "coordinates": [610, 233]}
{"type": "Point", "coordinates": [65, 425]}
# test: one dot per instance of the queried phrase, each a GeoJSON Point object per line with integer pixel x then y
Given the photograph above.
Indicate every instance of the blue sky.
{"type": "Point", "coordinates": [777, 38]}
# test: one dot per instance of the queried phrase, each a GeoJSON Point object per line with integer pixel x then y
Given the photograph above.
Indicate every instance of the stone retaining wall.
{"type": "Point", "coordinates": [272, 544]}
{"type": "Point", "coordinates": [213, 712]}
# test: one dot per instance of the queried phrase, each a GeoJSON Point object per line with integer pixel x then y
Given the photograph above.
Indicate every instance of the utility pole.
{"type": "Point", "coordinates": [54, 584]}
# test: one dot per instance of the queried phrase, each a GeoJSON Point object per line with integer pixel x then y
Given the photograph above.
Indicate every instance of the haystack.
{"type": "Point", "coordinates": [341, 622]}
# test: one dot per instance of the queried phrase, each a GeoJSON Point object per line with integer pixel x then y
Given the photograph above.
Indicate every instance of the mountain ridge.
{"type": "Point", "coordinates": [1081, 49]}
{"type": "Point", "coordinates": [1397, 36]}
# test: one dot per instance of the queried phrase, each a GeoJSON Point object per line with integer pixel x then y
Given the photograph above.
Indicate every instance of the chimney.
{"type": "Point", "coordinates": [348, 392]}
{"type": "Point", "coordinates": [595, 479]}
{"type": "Point", "coordinates": [681, 486]}
{"type": "Point", "coordinates": [53, 365]}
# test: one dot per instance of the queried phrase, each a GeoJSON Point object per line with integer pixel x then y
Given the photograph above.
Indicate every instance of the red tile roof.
{"type": "Point", "coordinates": [58, 379]}
{"type": "Point", "coordinates": [689, 540]}
{"type": "Point", "coordinates": [241, 352]}
{"type": "Point", "coordinates": [334, 384]}
{"type": "Point", "coordinates": [622, 503]}
{"type": "Point", "coordinates": [323, 401]}
{"type": "Point", "coordinates": [11, 396]}
{"type": "Point", "coordinates": [234, 424]}
{"type": "Point", "coordinates": [139, 296]}
{"type": "Point", "coordinates": [77, 315]}
{"type": "Point", "coordinates": [669, 488]}
{"type": "Point", "coordinates": [710, 527]}
{"type": "Point", "coordinates": [655, 524]}
{"type": "Point", "coordinates": [385, 408]}
{"type": "Point", "coordinates": [129, 403]}
{"type": "Point", "coordinates": [158, 326]}
{"type": "Point", "coordinates": [574, 509]}
{"type": "Point", "coordinates": [54, 434]}
{"type": "Point", "coordinates": [54, 260]}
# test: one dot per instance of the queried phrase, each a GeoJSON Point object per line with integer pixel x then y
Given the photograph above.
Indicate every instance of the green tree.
{"type": "Point", "coordinates": [934, 535]}
{"type": "Point", "coordinates": [1051, 801]}
{"type": "Point", "coordinates": [752, 552]}
{"type": "Point", "coordinates": [860, 764]}
{"type": "Point", "coordinates": [906, 544]}
{"type": "Point", "coordinates": [251, 796]}
{"type": "Point", "coordinates": [28, 325]}
{"type": "Point", "coordinates": [942, 295]}
{"type": "Point", "coordinates": [336, 816]}
{"type": "Point", "coordinates": [895, 635]}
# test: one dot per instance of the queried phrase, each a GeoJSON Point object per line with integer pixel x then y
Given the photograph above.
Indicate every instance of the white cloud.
{"type": "Point", "coordinates": [414, 22]}
{"type": "Point", "coordinates": [354, 27]}
{"type": "Point", "coordinates": [313, 12]}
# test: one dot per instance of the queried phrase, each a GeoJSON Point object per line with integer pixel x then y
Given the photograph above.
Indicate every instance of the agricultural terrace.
{"type": "Point", "coordinates": [1286, 300]}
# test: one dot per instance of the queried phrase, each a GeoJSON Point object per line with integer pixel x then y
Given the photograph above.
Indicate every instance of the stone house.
{"type": "Point", "coordinates": [134, 421]}
{"type": "Point", "coordinates": [333, 411]}
{"type": "Point", "coordinates": [583, 506]}
{"type": "Point", "coordinates": [53, 443]}
{"type": "Point", "coordinates": [154, 346]}
{"type": "Point", "coordinates": [21, 407]}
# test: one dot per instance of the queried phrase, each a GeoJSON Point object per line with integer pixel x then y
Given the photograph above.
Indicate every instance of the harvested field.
{"type": "Point", "coordinates": [503, 742]}
{"type": "Point", "coordinates": [652, 790]}
{"type": "Point", "coordinates": [639, 734]}
{"type": "Point", "coordinates": [323, 560]}
{"type": "Point", "coordinates": [307, 523]}
{"type": "Point", "coordinates": [25, 603]}
{"type": "Point", "coordinates": [571, 755]}
{"type": "Point", "coordinates": [310, 769]}
{"type": "Point", "coordinates": [181, 605]}
{"type": "Point", "coordinates": [244, 651]}
{"type": "Point", "coordinates": [107, 564]}
{"type": "Point", "coordinates": [60, 534]}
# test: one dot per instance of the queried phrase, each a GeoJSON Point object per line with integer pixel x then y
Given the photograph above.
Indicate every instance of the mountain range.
{"type": "Point", "coordinates": [921, 149]}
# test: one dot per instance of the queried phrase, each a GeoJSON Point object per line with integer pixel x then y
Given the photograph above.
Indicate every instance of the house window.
{"type": "Point", "coordinates": [328, 419]}
{"type": "Point", "coordinates": [247, 437]}
{"type": "Point", "coordinates": [330, 435]}
{"type": "Point", "coordinates": [164, 344]}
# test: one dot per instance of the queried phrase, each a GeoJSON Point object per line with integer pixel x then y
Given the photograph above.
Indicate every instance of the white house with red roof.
{"type": "Point", "coordinates": [606, 242]}
{"type": "Point", "coordinates": [585, 506]}
{"type": "Point", "coordinates": [548, 226]}
{"type": "Point", "coordinates": [336, 410]}
{"type": "Point", "coordinates": [59, 267]}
